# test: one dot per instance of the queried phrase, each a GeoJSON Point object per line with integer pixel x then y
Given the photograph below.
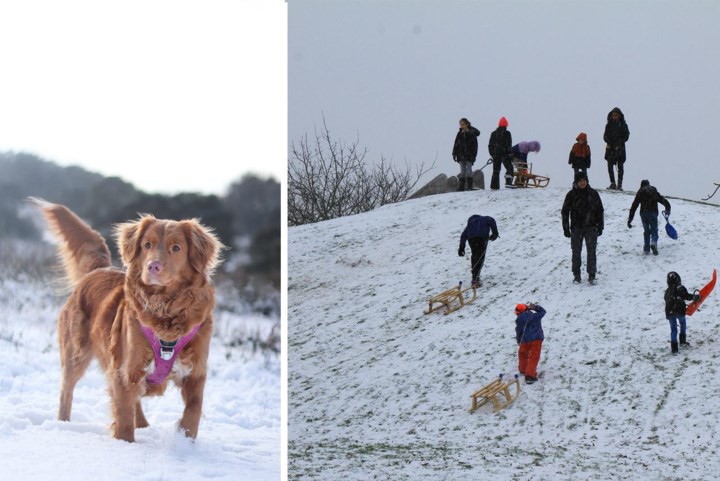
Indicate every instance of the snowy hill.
{"type": "Point", "coordinates": [239, 437]}
{"type": "Point", "coordinates": [378, 390]}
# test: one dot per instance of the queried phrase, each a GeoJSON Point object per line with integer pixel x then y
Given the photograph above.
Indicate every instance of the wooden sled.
{"type": "Point", "coordinates": [452, 299]}
{"type": "Point", "coordinates": [525, 178]}
{"type": "Point", "coordinates": [493, 391]}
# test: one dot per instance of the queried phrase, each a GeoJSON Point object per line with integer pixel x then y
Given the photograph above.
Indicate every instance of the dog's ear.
{"type": "Point", "coordinates": [203, 246]}
{"type": "Point", "coordinates": [128, 236]}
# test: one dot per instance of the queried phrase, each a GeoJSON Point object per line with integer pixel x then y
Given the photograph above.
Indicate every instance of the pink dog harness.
{"type": "Point", "coordinates": [165, 352]}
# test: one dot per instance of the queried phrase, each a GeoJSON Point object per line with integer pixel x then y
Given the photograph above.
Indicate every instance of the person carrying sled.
{"type": "Point", "coordinates": [580, 154]}
{"type": "Point", "coordinates": [583, 220]}
{"type": "Point", "coordinates": [478, 231]}
{"type": "Point", "coordinates": [675, 296]}
{"type": "Point", "coordinates": [529, 336]}
{"type": "Point", "coordinates": [615, 136]}
{"type": "Point", "coordinates": [465, 151]}
{"type": "Point", "coordinates": [500, 149]}
{"type": "Point", "coordinates": [648, 198]}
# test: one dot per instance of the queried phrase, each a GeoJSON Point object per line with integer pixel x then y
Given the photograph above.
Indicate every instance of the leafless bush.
{"type": "Point", "coordinates": [329, 179]}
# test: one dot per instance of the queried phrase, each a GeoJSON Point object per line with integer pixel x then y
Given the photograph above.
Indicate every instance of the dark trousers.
{"type": "Point", "coordinates": [589, 235]}
{"type": "Point", "coordinates": [611, 171]}
{"type": "Point", "coordinates": [497, 163]}
{"type": "Point", "coordinates": [478, 248]}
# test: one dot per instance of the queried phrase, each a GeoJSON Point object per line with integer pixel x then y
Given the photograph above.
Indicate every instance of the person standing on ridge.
{"type": "Point", "coordinates": [500, 149]}
{"type": "Point", "coordinates": [580, 154]}
{"type": "Point", "coordinates": [648, 198]}
{"type": "Point", "coordinates": [615, 136]}
{"type": "Point", "coordinates": [583, 221]}
{"type": "Point", "coordinates": [465, 151]}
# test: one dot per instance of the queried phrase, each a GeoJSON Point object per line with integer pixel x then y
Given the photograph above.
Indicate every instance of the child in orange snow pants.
{"type": "Point", "coordinates": [529, 336]}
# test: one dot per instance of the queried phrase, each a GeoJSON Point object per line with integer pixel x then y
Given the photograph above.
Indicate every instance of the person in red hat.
{"type": "Point", "coordinates": [529, 335]}
{"type": "Point", "coordinates": [500, 149]}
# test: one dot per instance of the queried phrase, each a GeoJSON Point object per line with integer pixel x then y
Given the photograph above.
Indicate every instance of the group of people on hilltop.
{"type": "Point", "coordinates": [503, 152]}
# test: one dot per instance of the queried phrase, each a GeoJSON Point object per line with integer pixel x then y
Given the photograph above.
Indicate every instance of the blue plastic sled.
{"type": "Point", "coordinates": [669, 229]}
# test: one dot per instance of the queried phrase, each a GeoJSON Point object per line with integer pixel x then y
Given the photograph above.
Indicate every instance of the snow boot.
{"type": "Point", "coordinates": [674, 347]}
{"type": "Point", "coordinates": [654, 249]}
{"type": "Point", "coordinates": [591, 279]}
{"type": "Point", "coordinates": [612, 186]}
{"type": "Point", "coordinates": [461, 187]}
{"type": "Point", "coordinates": [469, 183]}
{"type": "Point", "coordinates": [530, 380]}
{"type": "Point", "coordinates": [683, 339]}
{"type": "Point", "coordinates": [576, 279]}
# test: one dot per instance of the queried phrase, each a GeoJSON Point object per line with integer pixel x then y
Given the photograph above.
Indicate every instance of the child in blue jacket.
{"type": "Point", "coordinates": [529, 335]}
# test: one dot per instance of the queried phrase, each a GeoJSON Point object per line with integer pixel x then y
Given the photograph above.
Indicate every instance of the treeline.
{"type": "Point", "coordinates": [248, 215]}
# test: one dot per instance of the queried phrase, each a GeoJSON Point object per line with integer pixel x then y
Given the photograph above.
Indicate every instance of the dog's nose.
{"type": "Point", "coordinates": [154, 267]}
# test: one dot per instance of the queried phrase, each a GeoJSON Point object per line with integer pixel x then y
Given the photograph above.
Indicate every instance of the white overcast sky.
{"type": "Point", "coordinates": [400, 74]}
{"type": "Point", "coordinates": [170, 95]}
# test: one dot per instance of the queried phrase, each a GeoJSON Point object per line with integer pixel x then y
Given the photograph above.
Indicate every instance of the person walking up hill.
{"type": "Point", "coordinates": [647, 198]}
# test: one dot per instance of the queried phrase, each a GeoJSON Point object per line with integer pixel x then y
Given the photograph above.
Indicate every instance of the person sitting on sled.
{"type": "Point", "coordinates": [529, 336]}
{"type": "Point", "coordinates": [477, 233]}
{"type": "Point", "coordinates": [648, 198]}
{"type": "Point", "coordinates": [675, 296]}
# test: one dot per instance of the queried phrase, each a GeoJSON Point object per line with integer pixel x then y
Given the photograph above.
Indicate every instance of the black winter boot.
{"type": "Point", "coordinates": [461, 187]}
{"type": "Point", "coordinates": [683, 339]}
{"type": "Point", "coordinates": [469, 183]}
{"type": "Point", "coordinates": [674, 347]}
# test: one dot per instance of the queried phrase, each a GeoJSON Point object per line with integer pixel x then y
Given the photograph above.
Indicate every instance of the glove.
{"type": "Point", "coordinates": [455, 158]}
{"type": "Point", "coordinates": [599, 232]}
{"type": "Point", "coordinates": [493, 237]}
{"type": "Point", "coordinates": [629, 225]}
{"type": "Point", "coordinates": [461, 252]}
{"type": "Point", "coordinates": [566, 232]}
{"type": "Point", "coordinates": [696, 297]}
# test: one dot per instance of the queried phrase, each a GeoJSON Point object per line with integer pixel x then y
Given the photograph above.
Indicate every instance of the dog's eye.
{"type": "Point", "coordinates": [147, 245]}
{"type": "Point", "coordinates": [175, 248]}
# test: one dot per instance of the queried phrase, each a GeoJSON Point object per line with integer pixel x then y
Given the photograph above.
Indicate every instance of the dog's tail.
{"type": "Point", "coordinates": [80, 248]}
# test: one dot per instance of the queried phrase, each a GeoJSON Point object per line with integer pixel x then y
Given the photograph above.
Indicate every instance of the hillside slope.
{"type": "Point", "coordinates": [378, 390]}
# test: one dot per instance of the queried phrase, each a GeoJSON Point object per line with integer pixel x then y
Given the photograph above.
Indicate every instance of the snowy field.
{"type": "Point", "coordinates": [239, 437]}
{"type": "Point", "coordinates": [378, 390]}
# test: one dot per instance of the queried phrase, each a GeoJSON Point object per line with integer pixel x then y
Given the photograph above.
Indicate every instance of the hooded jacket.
{"type": "Point", "coordinates": [675, 297]}
{"type": "Point", "coordinates": [583, 208]}
{"type": "Point", "coordinates": [647, 198]}
{"type": "Point", "coordinates": [528, 325]}
{"type": "Point", "coordinates": [466, 145]}
{"type": "Point", "coordinates": [522, 149]}
{"type": "Point", "coordinates": [615, 136]}
{"type": "Point", "coordinates": [478, 226]}
{"type": "Point", "coordinates": [580, 153]}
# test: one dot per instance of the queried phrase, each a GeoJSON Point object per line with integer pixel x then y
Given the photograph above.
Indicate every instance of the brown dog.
{"type": "Point", "coordinates": [152, 321]}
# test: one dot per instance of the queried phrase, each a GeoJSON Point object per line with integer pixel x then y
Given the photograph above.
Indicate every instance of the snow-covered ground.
{"type": "Point", "coordinates": [378, 390]}
{"type": "Point", "coordinates": [239, 437]}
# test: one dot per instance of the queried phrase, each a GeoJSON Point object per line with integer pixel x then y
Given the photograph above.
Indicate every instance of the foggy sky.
{"type": "Point", "coordinates": [399, 75]}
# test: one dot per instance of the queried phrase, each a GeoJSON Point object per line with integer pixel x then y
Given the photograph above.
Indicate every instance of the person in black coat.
{"type": "Point", "coordinates": [615, 136]}
{"type": "Point", "coordinates": [478, 231]}
{"type": "Point", "coordinates": [675, 296]}
{"type": "Point", "coordinates": [648, 198]}
{"type": "Point", "coordinates": [583, 220]}
{"type": "Point", "coordinates": [500, 149]}
{"type": "Point", "coordinates": [465, 151]}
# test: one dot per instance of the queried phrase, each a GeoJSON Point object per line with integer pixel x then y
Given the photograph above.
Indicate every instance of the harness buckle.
{"type": "Point", "coordinates": [167, 349]}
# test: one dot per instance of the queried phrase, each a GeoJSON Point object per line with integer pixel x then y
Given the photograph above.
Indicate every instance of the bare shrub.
{"type": "Point", "coordinates": [329, 179]}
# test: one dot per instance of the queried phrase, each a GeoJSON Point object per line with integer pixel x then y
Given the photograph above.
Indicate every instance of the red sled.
{"type": "Point", "coordinates": [704, 292]}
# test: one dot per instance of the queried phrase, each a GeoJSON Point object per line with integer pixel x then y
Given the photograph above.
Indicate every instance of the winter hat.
{"type": "Point", "coordinates": [645, 182]}
{"type": "Point", "coordinates": [580, 175]}
{"type": "Point", "coordinates": [503, 122]}
{"type": "Point", "coordinates": [520, 308]}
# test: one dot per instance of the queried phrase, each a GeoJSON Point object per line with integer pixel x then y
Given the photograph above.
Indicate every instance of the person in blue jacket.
{"type": "Point", "coordinates": [529, 335]}
{"type": "Point", "coordinates": [478, 231]}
